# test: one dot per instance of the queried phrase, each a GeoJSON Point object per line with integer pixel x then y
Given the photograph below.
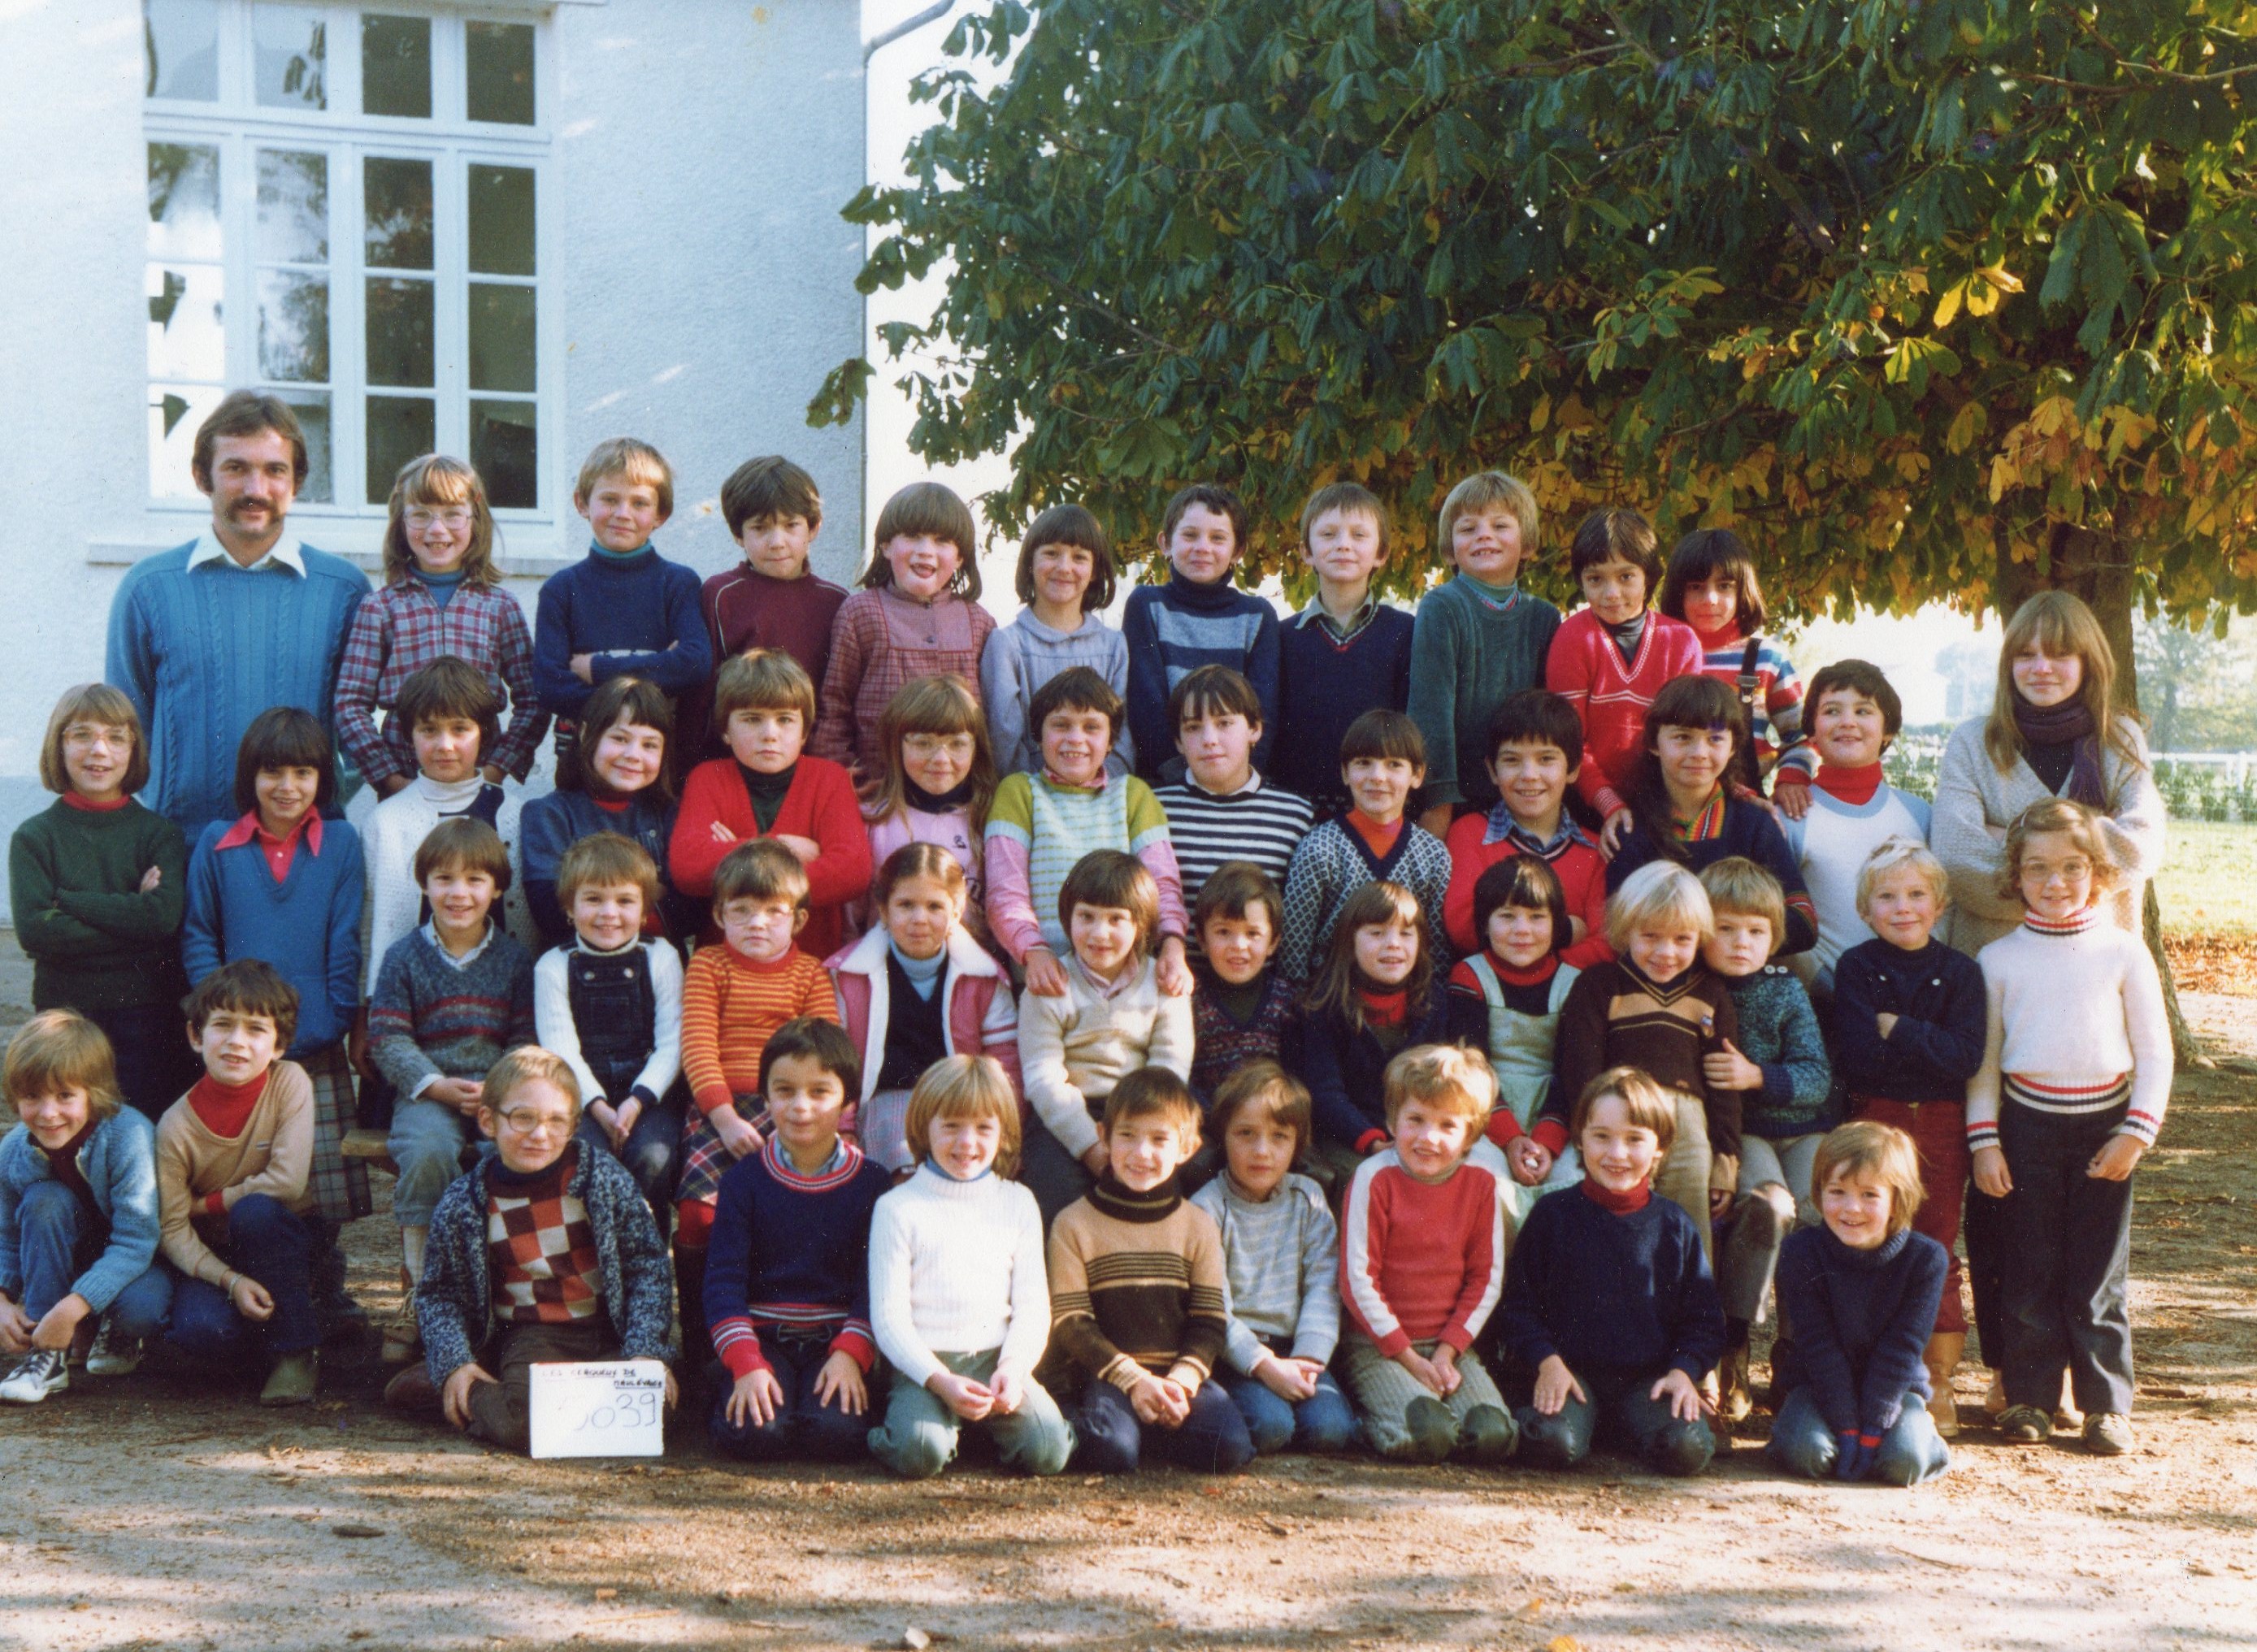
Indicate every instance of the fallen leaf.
{"type": "Point", "coordinates": [1562, 1643]}
{"type": "Point", "coordinates": [354, 1529]}
{"type": "Point", "coordinates": [607, 1594]}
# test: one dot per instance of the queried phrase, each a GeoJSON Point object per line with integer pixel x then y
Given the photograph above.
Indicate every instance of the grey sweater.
{"type": "Point", "coordinates": [1282, 1259]}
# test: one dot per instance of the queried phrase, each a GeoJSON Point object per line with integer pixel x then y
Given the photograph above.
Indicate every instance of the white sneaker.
{"type": "Point", "coordinates": [38, 1375]}
{"type": "Point", "coordinates": [114, 1353]}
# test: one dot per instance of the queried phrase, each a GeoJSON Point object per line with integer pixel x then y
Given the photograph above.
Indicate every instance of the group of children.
{"type": "Point", "coordinates": [1037, 1035]}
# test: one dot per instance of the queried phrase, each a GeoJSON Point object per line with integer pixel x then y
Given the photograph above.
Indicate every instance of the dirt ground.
{"type": "Point", "coordinates": [157, 1512]}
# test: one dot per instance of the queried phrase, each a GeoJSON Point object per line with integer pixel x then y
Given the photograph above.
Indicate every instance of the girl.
{"type": "Point", "coordinates": [1506, 999]}
{"type": "Point", "coordinates": [2076, 1071]}
{"type": "Point", "coordinates": [916, 989]}
{"type": "Point", "coordinates": [284, 884]}
{"type": "Point", "coordinates": [1683, 807]}
{"type": "Point", "coordinates": [441, 595]}
{"type": "Point", "coordinates": [918, 615]}
{"type": "Point", "coordinates": [618, 777]}
{"type": "Point", "coordinates": [1065, 579]}
{"type": "Point", "coordinates": [1711, 586]}
{"type": "Point", "coordinates": [939, 779]}
{"type": "Point", "coordinates": [1372, 996]}
{"type": "Point", "coordinates": [960, 1293]}
{"type": "Point", "coordinates": [98, 885]}
{"type": "Point", "coordinates": [1861, 1292]}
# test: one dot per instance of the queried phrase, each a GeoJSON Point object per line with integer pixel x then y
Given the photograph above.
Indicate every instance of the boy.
{"type": "Point", "coordinates": [771, 599]}
{"type": "Point", "coordinates": [1242, 1009]}
{"type": "Point", "coordinates": [1196, 619]}
{"type": "Point", "coordinates": [1383, 762]}
{"type": "Point", "coordinates": [625, 610]}
{"type": "Point", "coordinates": [1346, 652]}
{"type": "Point", "coordinates": [786, 1296]}
{"type": "Point", "coordinates": [1222, 809]}
{"type": "Point", "coordinates": [1477, 638]}
{"type": "Point", "coordinates": [1139, 1298]}
{"type": "Point", "coordinates": [233, 1156]}
{"type": "Point", "coordinates": [609, 1006]}
{"type": "Point", "coordinates": [1535, 748]}
{"type": "Point", "coordinates": [542, 1252]}
{"type": "Point", "coordinates": [1835, 823]}
{"type": "Point", "coordinates": [1422, 1263]}
{"type": "Point", "coordinates": [450, 999]}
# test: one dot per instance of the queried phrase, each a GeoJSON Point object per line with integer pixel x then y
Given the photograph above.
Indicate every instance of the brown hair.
{"type": "Point", "coordinates": [1737, 885]}
{"type": "Point", "coordinates": [247, 986]}
{"type": "Point", "coordinates": [1384, 734]}
{"type": "Point", "coordinates": [762, 680]}
{"type": "Point", "coordinates": [283, 736]}
{"type": "Point", "coordinates": [450, 687]}
{"type": "Point", "coordinates": [635, 701]}
{"type": "Point", "coordinates": [527, 1064]}
{"type": "Point", "coordinates": [1070, 525]}
{"type": "Point", "coordinates": [1613, 533]}
{"type": "Point", "coordinates": [932, 510]}
{"type": "Point", "coordinates": [931, 705]}
{"type": "Point", "coordinates": [2058, 623]}
{"type": "Point", "coordinates": [57, 1050]}
{"type": "Point", "coordinates": [1478, 491]}
{"type": "Point", "coordinates": [1694, 702]}
{"type": "Point", "coordinates": [1212, 691]}
{"type": "Point", "coordinates": [464, 843]}
{"type": "Point", "coordinates": [1710, 552]}
{"type": "Point", "coordinates": [1454, 1075]}
{"type": "Point", "coordinates": [1154, 1092]}
{"type": "Point", "coordinates": [1348, 498]}
{"type": "Point", "coordinates": [1113, 878]}
{"type": "Point", "coordinates": [640, 462]}
{"type": "Point", "coordinates": [1332, 991]}
{"type": "Point", "coordinates": [100, 703]}
{"type": "Point", "coordinates": [771, 486]}
{"type": "Point", "coordinates": [1879, 1153]}
{"type": "Point", "coordinates": [1234, 886]}
{"type": "Point", "coordinates": [436, 479]}
{"type": "Point", "coordinates": [811, 1038]}
{"type": "Point", "coordinates": [605, 860]}
{"type": "Point", "coordinates": [917, 860]}
{"type": "Point", "coordinates": [1856, 677]}
{"type": "Point", "coordinates": [1283, 1100]}
{"type": "Point", "coordinates": [248, 413]}
{"type": "Point", "coordinates": [2079, 824]}
{"type": "Point", "coordinates": [1535, 716]}
{"type": "Point", "coordinates": [760, 870]}
{"type": "Point", "coordinates": [1651, 1105]}
{"type": "Point", "coordinates": [1521, 880]}
{"type": "Point", "coordinates": [1076, 689]}
{"type": "Point", "coordinates": [1211, 496]}
{"type": "Point", "coordinates": [965, 1087]}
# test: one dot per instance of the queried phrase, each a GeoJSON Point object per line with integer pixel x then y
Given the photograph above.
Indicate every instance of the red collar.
{"type": "Point", "coordinates": [308, 826]}
{"type": "Point", "coordinates": [1711, 641]}
{"type": "Point", "coordinates": [1535, 975]}
{"type": "Point", "coordinates": [1852, 786]}
{"type": "Point", "coordinates": [91, 807]}
{"type": "Point", "coordinates": [225, 1109]}
{"type": "Point", "coordinates": [1621, 1203]}
{"type": "Point", "coordinates": [1385, 1009]}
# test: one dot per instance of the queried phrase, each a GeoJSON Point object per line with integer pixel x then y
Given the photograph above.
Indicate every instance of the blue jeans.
{"type": "Point", "coordinates": [1803, 1443]}
{"type": "Point", "coordinates": [1111, 1440]}
{"type": "Point", "coordinates": [802, 1426]}
{"type": "Point", "coordinates": [1324, 1422]}
{"type": "Point", "coordinates": [426, 1142]}
{"type": "Point", "coordinates": [648, 1153]}
{"type": "Point", "coordinates": [49, 1222]}
{"type": "Point", "coordinates": [1621, 1404]}
{"type": "Point", "coordinates": [267, 1242]}
{"type": "Point", "coordinates": [919, 1437]}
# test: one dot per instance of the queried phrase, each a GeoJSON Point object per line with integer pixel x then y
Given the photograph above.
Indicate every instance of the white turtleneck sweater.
{"type": "Point", "coordinates": [957, 1268]}
{"type": "Point", "coordinates": [392, 831]}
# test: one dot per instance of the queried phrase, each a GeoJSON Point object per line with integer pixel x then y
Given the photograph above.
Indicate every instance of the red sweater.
{"type": "Point", "coordinates": [820, 805]}
{"type": "Point", "coordinates": [1581, 871]}
{"type": "Point", "coordinates": [1587, 668]}
{"type": "Point", "coordinates": [1421, 1261]}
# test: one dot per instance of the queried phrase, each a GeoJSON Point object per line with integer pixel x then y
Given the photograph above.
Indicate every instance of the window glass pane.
{"type": "Point", "coordinates": [501, 220]}
{"type": "Point", "coordinates": [399, 333]}
{"type": "Point", "coordinates": [505, 452]}
{"type": "Point", "coordinates": [182, 42]}
{"type": "Point", "coordinates": [396, 197]}
{"type": "Point", "coordinates": [312, 410]}
{"type": "Point", "coordinates": [497, 72]}
{"type": "Point", "coordinates": [293, 327]}
{"type": "Point", "coordinates": [183, 200]}
{"type": "Point", "coordinates": [186, 339]}
{"type": "Point", "coordinates": [400, 429]}
{"type": "Point", "coordinates": [395, 66]}
{"type": "Point", "coordinates": [501, 338]}
{"type": "Point", "coordinates": [175, 413]}
{"type": "Point", "coordinates": [294, 206]}
{"type": "Point", "coordinates": [289, 56]}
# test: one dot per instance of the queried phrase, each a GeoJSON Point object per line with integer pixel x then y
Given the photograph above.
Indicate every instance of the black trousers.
{"type": "Point", "coordinates": [2066, 1263]}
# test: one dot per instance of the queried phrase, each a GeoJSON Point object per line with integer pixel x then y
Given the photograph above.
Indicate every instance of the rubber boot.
{"type": "Point", "coordinates": [1433, 1431]}
{"type": "Point", "coordinates": [1941, 1358]}
{"type": "Point", "coordinates": [1487, 1437]}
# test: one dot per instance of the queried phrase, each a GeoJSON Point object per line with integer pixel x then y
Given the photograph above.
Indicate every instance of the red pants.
{"type": "Point", "coordinates": [1938, 1130]}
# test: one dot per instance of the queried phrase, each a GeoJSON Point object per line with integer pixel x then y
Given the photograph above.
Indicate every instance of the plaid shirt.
{"type": "Point", "coordinates": [540, 1251]}
{"type": "Point", "coordinates": [401, 629]}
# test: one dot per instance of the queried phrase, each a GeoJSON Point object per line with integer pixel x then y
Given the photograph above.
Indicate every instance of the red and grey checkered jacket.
{"type": "Point", "coordinates": [401, 629]}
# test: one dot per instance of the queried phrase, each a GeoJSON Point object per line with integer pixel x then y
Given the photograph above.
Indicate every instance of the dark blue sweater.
{"type": "Point", "coordinates": [1343, 1071]}
{"type": "Point", "coordinates": [1323, 685]}
{"type": "Point", "coordinates": [1172, 630]}
{"type": "Point", "coordinates": [552, 825]}
{"type": "Point", "coordinates": [1748, 831]}
{"type": "Point", "coordinates": [792, 1252]}
{"type": "Point", "coordinates": [1614, 1296]}
{"type": "Point", "coordinates": [1936, 1045]}
{"type": "Point", "coordinates": [1860, 1320]}
{"type": "Point", "coordinates": [638, 614]}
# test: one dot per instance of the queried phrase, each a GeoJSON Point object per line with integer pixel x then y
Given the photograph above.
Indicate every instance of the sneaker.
{"type": "Point", "coordinates": [39, 1374]}
{"type": "Point", "coordinates": [294, 1380]}
{"type": "Point", "coordinates": [115, 1353]}
{"type": "Point", "coordinates": [2026, 1424]}
{"type": "Point", "coordinates": [2108, 1434]}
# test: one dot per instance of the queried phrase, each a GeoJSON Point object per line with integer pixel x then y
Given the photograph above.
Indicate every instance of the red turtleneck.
{"type": "Point", "coordinates": [1620, 1204]}
{"type": "Point", "coordinates": [1853, 786]}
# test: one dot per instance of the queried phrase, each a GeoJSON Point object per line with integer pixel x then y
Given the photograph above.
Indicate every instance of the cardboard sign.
{"type": "Point", "coordinates": [614, 1408]}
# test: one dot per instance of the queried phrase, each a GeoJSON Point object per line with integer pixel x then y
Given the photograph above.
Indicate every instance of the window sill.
{"type": "Point", "coordinates": [366, 556]}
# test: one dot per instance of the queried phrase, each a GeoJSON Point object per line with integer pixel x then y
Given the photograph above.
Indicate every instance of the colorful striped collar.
{"type": "Point", "coordinates": [846, 1159]}
{"type": "Point", "coordinates": [2077, 925]}
{"type": "Point", "coordinates": [1708, 822]}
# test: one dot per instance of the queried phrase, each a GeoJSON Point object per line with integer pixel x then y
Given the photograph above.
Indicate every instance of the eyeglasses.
{"type": "Point", "coordinates": [454, 516]}
{"type": "Point", "coordinates": [524, 1123]}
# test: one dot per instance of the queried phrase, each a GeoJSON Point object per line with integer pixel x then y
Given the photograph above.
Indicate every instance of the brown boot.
{"type": "Point", "coordinates": [1733, 1400]}
{"type": "Point", "coordinates": [410, 1390]}
{"type": "Point", "coordinates": [1941, 1358]}
{"type": "Point", "coordinates": [403, 1338]}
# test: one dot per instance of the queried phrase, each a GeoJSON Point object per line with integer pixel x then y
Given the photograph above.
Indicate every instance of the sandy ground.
{"type": "Point", "coordinates": [159, 1511]}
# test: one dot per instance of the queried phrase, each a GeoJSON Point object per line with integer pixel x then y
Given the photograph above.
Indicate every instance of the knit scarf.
{"type": "Point", "coordinates": [1620, 1204]}
{"type": "Point", "coordinates": [1384, 1012]}
{"type": "Point", "coordinates": [2069, 724]}
{"type": "Point", "coordinates": [1855, 785]}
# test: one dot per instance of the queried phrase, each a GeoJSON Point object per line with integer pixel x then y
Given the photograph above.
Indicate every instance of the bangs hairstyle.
{"type": "Point", "coordinates": [1349, 498]}
{"type": "Point", "coordinates": [2058, 623]}
{"type": "Point", "coordinates": [1384, 734]}
{"type": "Point", "coordinates": [1263, 1085]}
{"type": "Point", "coordinates": [463, 844]}
{"type": "Point", "coordinates": [436, 479]}
{"type": "Point", "coordinates": [1212, 691]}
{"type": "Point", "coordinates": [1870, 1151]}
{"type": "Point", "coordinates": [605, 860]}
{"type": "Point", "coordinates": [1454, 1078]}
{"type": "Point", "coordinates": [450, 687]}
{"type": "Point", "coordinates": [1862, 679]}
{"type": "Point", "coordinates": [917, 860]}
{"type": "Point", "coordinates": [1482, 490]}
{"type": "Point", "coordinates": [1617, 533]}
{"type": "Point", "coordinates": [527, 1064]}
{"type": "Point", "coordinates": [283, 736]}
{"type": "Point", "coordinates": [767, 489]}
{"type": "Point", "coordinates": [1737, 885]}
{"type": "Point", "coordinates": [2073, 821]}
{"type": "Point", "coordinates": [58, 1050]}
{"type": "Point", "coordinates": [96, 702]}
{"type": "Point", "coordinates": [1154, 1092]}
{"type": "Point", "coordinates": [1650, 1103]}
{"type": "Point", "coordinates": [248, 413]}
{"type": "Point", "coordinates": [761, 869]}
{"type": "Point", "coordinates": [1333, 989]}
{"type": "Point", "coordinates": [1660, 895]}
{"type": "Point", "coordinates": [932, 705]}
{"type": "Point", "coordinates": [1113, 878]}
{"type": "Point", "coordinates": [1233, 888]}
{"type": "Point", "coordinates": [1536, 717]}
{"type": "Point", "coordinates": [634, 700]}
{"type": "Point", "coordinates": [762, 680]}
{"type": "Point", "coordinates": [965, 1087]}
{"type": "Point", "coordinates": [1714, 553]}
{"type": "Point", "coordinates": [1076, 689]}
{"type": "Point", "coordinates": [1211, 496]}
{"type": "Point", "coordinates": [926, 509]}
{"type": "Point", "coordinates": [1895, 853]}
{"type": "Point", "coordinates": [1526, 882]}
{"type": "Point", "coordinates": [1070, 525]}
{"type": "Point", "coordinates": [811, 1038]}
{"type": "Point", "coordinates": [1697, 702]}
{"type": "Point", "coordinates": [640, 464]}
{"type": "Point", "coordinates": [247, 986]}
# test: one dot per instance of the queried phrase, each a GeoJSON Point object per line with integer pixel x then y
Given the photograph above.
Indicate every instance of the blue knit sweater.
{"type": "Point", "coordinates": [638, 614]}
{"type": "Point", "coordinates": [1942, 1018]}
{"type": "Point", "coordinates": [1323, 685]}
{"type": "Point", "coordinates": [1860, 1321]}
{"type": "Point", "coordinates": [119, 1163]}
{"type": "Point", "coordinates": [307, 926]}
{"type": "Point", "coordinates": [552, 825]}
{"type": "Point", "coordinates": [1779, 1033]}
{"type": "Point", "coordinates": [200, 654]}
{"type": "Point", "coordinates": [792, 1252]}
{"type": "Point", "coordinates": [1174, 629]}
{"type": "Point", "coordinates": [1613, 1296]}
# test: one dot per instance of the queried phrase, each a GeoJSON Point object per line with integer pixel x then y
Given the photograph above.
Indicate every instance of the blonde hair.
{"type": "Point", "coordinates": [527, 1064]}
{"type": "Point", "coordinates": [1660, 892]}
{"type": "Point", "coordinates": [1737, 885]}
{"type": "Point", "coordinates": [965, 1087]}
{"type": "Point", "coordinates": [1651, 1105]}
{"type": "Point", "coordinates": [436, 479]}
{"type": "Point", "coordinates": [1898, 852]}
{"type": "Point", "coordinates": [2058, 623]}
{"type": "Point", "coordinates": [58, 1050]}
{"type": "Point", "coordinates": [1478, 491]}
{"type": "Point", "coordinates": [762, 680]}
{"type": "Point", "coordinates": [931, 705]}
{"type": "Point", "coordinates": [93, 702]}
{"type": "Point", "coordinates": [2073, 821]}
{"type": "Point", "coordinates": [1879, 1153]}
{"type": "Point", "coordinates": [640, 462]}
{"type": "Point", "coordinates": [1454, 1077]}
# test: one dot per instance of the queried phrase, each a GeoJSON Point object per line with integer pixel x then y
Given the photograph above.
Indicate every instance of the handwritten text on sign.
{"type": "Point", "coordinates": [599, 1408]}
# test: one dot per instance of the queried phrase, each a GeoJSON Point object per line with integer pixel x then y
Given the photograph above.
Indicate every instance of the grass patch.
{"type": "Point", "coordinates": [2208, 888]}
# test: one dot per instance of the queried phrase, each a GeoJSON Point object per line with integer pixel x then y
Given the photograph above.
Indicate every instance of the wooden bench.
{"type": "Point", "coordinates": [368, 1146]}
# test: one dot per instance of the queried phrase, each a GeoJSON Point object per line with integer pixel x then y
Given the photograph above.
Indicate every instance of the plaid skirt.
{"type": "Point", "coordinates": [340, 1190]}
{"type": "Point", "coordinates": [705, 1157]}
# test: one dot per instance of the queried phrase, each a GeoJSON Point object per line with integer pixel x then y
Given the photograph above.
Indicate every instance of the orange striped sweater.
{"type": "Point", "coordinates": [732, 1006]}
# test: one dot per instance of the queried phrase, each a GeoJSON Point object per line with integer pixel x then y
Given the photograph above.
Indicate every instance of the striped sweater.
{"type": "Point", "coordinates": [731, 1005]}
{"type": "Point", "coordinates": [1137, 1285]}
{"type": "Point", "coordinates": [790, 1252]}
{"type": "Point", "coordinates": [433, 1016]}
{"type": "Point", "coordinates": [1173, 629]}
{"type": "Point", "coordinates": [1260, 822]}
{"type": "Point", "coordinates": [1037, 829]}
{"type": "Point", "coordinates": [1778, 721]}
{"type": "Point", "coordinates": [1618, 1016]}
{"type": "Point", "coordinates": [1333, 863]}
{"type": "Point", "coordinates": [1281, 1255]}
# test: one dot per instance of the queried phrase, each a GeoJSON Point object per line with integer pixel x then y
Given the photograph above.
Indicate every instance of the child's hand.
{"type": "Point", "coordinates": [1793, 798]}
{"type": "Point", "coordinates": [491, 773]}
{"type": "Point", "coordinates": [1884, 1023]}
{"type": "Point", "coordinates": [969, 1399]}
{"type": "Point", "coordinates": [1045, 975]}
{"type": "Point", "coordinates": [840, 1382]}
{"type": "Point", "coordinates": [1729, 1070]}
{"type": "Point", "coordinates": [1422, 1370]}
{"type": "Point", "coordinates": [1174, 975]}
{"type": "Point", "coordinates": [151, 878]}
{"type": "Point", "coordinates": [391, 786]}
{"type": "Point", "coordinates": [1290, 1379]}
{"type": "Point", "coordinates": [1854, 1454]}
{"type": "Point", "coordinates": [736, 1134]}
{"type": "Point", "coordinates": [1683, 1394]}
{"type": "Point", "coordinates": [608, 1121]}
{"type": "Point", "coordinates": [673, 1391]}
{"type": "Point", "coordinates": [627, 1112]}
{"type": "Point", "coordinates": [806, 850]}
{"type": "Point", "coordinates": [1009, 1389]}
{"type": "Point", "coordinates": [1531, 1161]}
{"type": "Point", "coordinates": [1149, 1401]}
{"type": "Point", "coordinates": [584, 666]}
{"type": "Point", "coordinates": [1720, 1203]}
{"type": "Point", "coordinates": [2115, 1162]}
{"type": "Point", "coordinates": [1554, 1383]}
{"type": "Point", "coordinates": [455, 1396]}
{"type": "Point", "coordinates": [55, 1331]}
{"type": "Point", "coordinates": [1576, 930]}
{"type": "Point", "coordinates": [251, 1298]}
{"type": "Point", "coordinates": [15, 1328]}
{"type": "Point", "coordinates": [722, 834]}
{"type": "Point", "coordinates": [756, 1399]}
{"type": "Point", "coordinates": [1991, 1172]}
{"type": "Point", "coordinates": [1176, 1400]}
{"type": "Point", "coordinates": [1445, 1362]}
{"type": "Point", "coordinates": [461, 1094]}
{"type": "Point", "coordinates": [1611, 834]}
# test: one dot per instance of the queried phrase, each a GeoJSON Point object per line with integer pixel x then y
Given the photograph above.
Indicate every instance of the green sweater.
{"type": "Point", "coordinates": [96, 942]}
{"type": "Point", "coordinates": [1468, 651]}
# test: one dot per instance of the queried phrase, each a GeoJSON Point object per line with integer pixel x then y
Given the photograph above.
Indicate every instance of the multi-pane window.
{"type": "Point", "coordinates": [345, 208]}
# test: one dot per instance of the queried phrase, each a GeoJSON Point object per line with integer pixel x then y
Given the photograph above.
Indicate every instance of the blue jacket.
{"type": "Point", "coordinates": [119, 1163]}
{"type": "Point", "coordinates": [552, 823]}
{"type": "Point", "coordinates": [307, 926]}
